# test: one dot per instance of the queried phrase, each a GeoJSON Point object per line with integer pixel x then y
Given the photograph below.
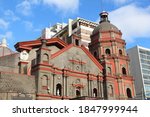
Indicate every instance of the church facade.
{"type": "Point", "coordinates": [53, 69]}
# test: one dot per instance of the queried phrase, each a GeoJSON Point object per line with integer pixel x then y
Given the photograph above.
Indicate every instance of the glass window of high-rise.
{"type": "Point", "coordinates": [145, 67]}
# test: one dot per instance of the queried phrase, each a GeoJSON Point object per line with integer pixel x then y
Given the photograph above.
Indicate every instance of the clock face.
{"type": "Point", "coordinates": [24, 55]}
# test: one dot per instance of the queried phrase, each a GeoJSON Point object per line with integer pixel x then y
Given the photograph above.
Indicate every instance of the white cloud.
{"type": "Point", "coordinates": [34, 1]}
{"type": "Point", "coordinates": [8, 35]}
{"type": "Point", "coordinates": [10, 15]}
{"type": "Point", "coordinates": [24, 8]}
{"type": "Point", "coordinates": [3, 24]}
{"type": "Point", "coordinates": [63, 5]}
{"type": "Point", "coordinates": [29, 27]}
{"type": "Point", "coordinates": [119, 2]}
{"type": "Point", "coordinates": [133, 21]}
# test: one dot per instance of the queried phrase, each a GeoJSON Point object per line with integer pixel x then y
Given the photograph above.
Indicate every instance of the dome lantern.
{"type": "Point", "coordinates": [105, 25]}
{"type": "Point", "coordinates": [104, 17]}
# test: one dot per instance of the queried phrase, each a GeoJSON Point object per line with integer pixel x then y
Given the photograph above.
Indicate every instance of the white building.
{"type": "Point", "coordinates": [51, 31]}
{"type": "Point", "coordinates": [80, 27]}
{"type": "Point", "coordinates": [140, 69]}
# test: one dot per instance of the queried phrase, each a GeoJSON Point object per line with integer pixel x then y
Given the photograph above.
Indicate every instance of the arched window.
{"type": "Point", "coordinates": [95, 54]}
{"type": "Point", "coordinates": [120, 52]}
{"type": "Point", "coordinates": [124, 71]}
{"type": "Point", "coordinates": [129, 95]}
{"type": "Point", "coordinates": [58, 90]}
{"type": "Point", "coordinates": [107, 51]}
{"type": "Point", "coordinates": [45, 58]}
{"type": "Point", "coordinates": [44, 81]}
{"type": "Point", "coordinates": [78, 92]}
{"type": "Point", "coordinates": [95, 92]}
{"type": "Point", "coordinates": [110, 91]}
{"type": "Point", "coordinates": [109, 70]}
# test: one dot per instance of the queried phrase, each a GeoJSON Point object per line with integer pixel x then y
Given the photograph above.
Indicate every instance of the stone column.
{"type": "Point", "coordinates": [117, 66]}
{"type": "Point", "coordinates": [88, 83]}
{"type": "Point", "coordinates": [53, 86]}
{"type": "Point", "coordinates": [66, 86]}
{"type": "Point", "coordinates": [50, 90]}
{"type": "Point", "coordinates": [121, 96]}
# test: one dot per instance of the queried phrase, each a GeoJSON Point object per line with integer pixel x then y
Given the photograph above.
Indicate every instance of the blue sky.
{"type": "Point", "coordinates": [22, 20]}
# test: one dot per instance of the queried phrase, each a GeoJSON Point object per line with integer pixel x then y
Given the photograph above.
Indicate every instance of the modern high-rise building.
{"type": "Point", "coordinates": [140, 69]}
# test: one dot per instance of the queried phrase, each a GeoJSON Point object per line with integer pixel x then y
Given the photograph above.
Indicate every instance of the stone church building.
{"type": "Point", "coordinates": [46, 69]}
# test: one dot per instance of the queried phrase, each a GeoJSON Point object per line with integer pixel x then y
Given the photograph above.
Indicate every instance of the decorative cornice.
{"type": "Point", "coordinates": [78, 85]}
{"type": "Point", "coordinates": [37, 43]}
{"type": "Point", "coordinates": [78, 62]}
{"type": "Point", "coordinates": [46, 67]}
{"type": "Point", "coordinates": [39, 96]}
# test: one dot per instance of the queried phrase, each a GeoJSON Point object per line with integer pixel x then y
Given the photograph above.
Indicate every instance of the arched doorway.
{"type": "Point", "coordinates": [58, 90]}
{"type": "Point", "coordinates": [95, 92]}
{"type": "Point", "coordinates": [129, 94]}
{"type": "Point", "coordinates": [78, 92]}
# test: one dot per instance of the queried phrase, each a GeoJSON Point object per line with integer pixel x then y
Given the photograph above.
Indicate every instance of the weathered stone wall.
{"type": "Point", "coordinates": [9, 63]}
{"type": "Point", "coordinates": [76, 54]}
{"type": "Point", "coordinates": [79, 65]}
{"type": "Point", "coordinates": [14, 85]}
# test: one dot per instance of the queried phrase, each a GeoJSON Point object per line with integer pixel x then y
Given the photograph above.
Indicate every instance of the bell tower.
{"type": "Point", "coordinates": [108, 47]}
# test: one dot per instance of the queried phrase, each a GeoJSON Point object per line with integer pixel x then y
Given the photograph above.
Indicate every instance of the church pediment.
{"type": "Point", "coordinates": [74, 57]}
{"type": "Point", "coordinates": [28, 45]}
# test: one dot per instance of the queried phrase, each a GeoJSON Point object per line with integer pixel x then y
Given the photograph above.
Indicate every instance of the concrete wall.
{"type": "Point", "coordinates": [136, 71]}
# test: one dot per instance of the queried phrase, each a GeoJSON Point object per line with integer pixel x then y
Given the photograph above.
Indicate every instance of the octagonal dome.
{"type": "Point", "coordinates": [105, 24]}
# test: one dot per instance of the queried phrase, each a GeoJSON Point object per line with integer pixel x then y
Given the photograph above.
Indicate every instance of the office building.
{"type": "Point", "coordinates": [140, 69]}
